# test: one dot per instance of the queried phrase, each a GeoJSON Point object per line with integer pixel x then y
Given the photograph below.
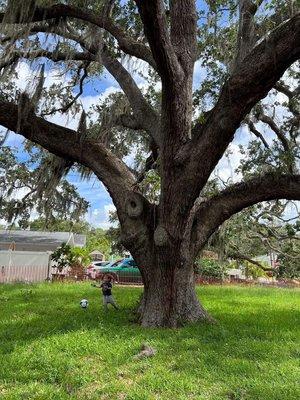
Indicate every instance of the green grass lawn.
{"type": "Point", "coordinates": [52, 349]}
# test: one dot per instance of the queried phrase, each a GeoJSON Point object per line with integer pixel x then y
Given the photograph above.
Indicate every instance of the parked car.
{"type": "Point", "coordinates": [125, 271]}
{"type": "Point", "coordinates": [100, 263]}
{"type": "Point", "coordinates": [93, 269]}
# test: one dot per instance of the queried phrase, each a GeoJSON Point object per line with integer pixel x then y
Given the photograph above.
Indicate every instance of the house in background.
{"type": "Point", "coordinates": [96, 255]}
{"type": "Point", "coordinates": [38, 241]}
{"type": "Point", "coordinates": [269, 260]}
{"type": "Point", "coordinates": [236, 273]}
{"type": "Point", "coordinates": [25, 256]}
{"type": "Point", "coordinates": [126, 254]}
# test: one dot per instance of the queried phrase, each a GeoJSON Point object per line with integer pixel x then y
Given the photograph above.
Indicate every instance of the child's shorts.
{"type": "Point", "coordinates": [108, 300]}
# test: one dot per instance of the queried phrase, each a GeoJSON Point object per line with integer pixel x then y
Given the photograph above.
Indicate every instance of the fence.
{"type": "Point", "coordinates": [25, 273]}
{"type": "Point", "coordinates": [123, 277]}
{"type": "Point", "coordinates": [20, 266]}
{"type": "Point", "coordinates": [41, 273]}
{"type": "Point", "coordinates": [128, 279]}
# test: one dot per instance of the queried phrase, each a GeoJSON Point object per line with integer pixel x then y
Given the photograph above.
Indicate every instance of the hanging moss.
{"type": "Point", "coordinates": [24, 109]}
{"type": "Point", "coordinates": [51, 171]}
{"type": "Point", "coordinates": [39, 87]}
{"type": "Point", "coordinates": [19, 11]}
{"type": "Point", "coordinates": [82, 125]}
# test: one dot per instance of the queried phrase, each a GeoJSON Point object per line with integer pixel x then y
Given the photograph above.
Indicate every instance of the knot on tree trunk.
{"type": "Point", "coordinates": [134, 205]}
{"type": "Point", "coordinates": [161, 236]}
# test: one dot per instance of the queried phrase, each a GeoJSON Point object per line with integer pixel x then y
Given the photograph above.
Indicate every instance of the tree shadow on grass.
{"type": "Point", "coordinates": [29, 316]}
{"type": "Point", "coordinates": [247, 339]}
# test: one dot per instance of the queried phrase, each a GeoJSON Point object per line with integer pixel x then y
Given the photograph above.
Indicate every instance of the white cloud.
{"type": "Point", "coordinates": [24, 74]}
{"type": "Point", "coordinates": [89, 101]}
{"type": "Point", "coordinates": [99, 217]}
{"type": "Point", "coordinates": [199, 74]}
{"type": "Point", "coordinates": [228, 164]}
{"type": "Point", "coordinates": [13, 139]}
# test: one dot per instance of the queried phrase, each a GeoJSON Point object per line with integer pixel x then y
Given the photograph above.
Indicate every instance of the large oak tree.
{"type": "Point", "coordinates": [164, 237]}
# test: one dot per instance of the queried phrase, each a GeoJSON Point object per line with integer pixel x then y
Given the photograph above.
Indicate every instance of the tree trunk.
{"type": "Point", "coordinates": [169, 298]}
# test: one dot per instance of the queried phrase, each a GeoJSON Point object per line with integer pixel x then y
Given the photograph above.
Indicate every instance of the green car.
{"type": "Point", "coordinates": [124, 271]}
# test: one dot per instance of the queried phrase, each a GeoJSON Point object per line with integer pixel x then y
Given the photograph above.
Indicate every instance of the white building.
{"type": "Point", "coordinates": [38, 241]}
{"type": "Point", "coordinates": [26, 255]}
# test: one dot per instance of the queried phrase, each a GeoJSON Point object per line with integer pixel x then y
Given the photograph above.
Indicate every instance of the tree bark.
{"type": "Point", "coordinates": [169, 298]}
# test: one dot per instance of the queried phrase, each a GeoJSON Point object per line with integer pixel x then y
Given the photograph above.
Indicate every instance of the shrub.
{"type": "Point", "coordinates": [67, 256]}
{"type": "Point", "coordinates": [211, 269]}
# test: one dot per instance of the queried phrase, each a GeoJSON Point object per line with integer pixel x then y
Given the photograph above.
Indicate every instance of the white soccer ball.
{"type": "Point", "coordinates": [84, 303]}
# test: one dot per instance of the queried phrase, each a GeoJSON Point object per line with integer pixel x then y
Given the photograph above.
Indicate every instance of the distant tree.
{"type": "Point", "coordinates": [67, 256]}
{"type": "Point", "coordinates": [211, 269]}
{"type": "Point", "coordinates": [60, 225]}
{"type": "Point", "coordinates": [289, 260]}
{"type": "Point", "coordinates": [255, 271]}
{"type": "Point", "coordinates": [114, 235]}
{"type": "Point", "coordinates": [98, 239]}
{"type": "Point", "coordinates": [256, 231]}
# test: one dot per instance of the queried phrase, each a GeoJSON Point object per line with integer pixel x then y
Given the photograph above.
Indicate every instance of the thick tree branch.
{"type": "Point", "coordinates": [134, 211]}
{"type": "Point", "coordinates": [239, 256]}
{"type": "Point", "coordinates": [153, 15]}
{"type": "Point", "coordinates": [63, 11]}
{"type": "Point", "coordinates": [256, 75]}
{"type": "Point", "coordinates": [145, 115]}
{"type": "Point", "coordinates": [216, 210]}
{"type": "Point", "coordinates": [70, 145]}
{"type": "Point", "coordinates": [183, 31]}
{"type": "Point", "coordinates": [246, 31]}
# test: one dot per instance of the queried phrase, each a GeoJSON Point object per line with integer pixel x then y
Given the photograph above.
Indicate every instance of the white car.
{"type": "Point", "coordinates": [94, 268]}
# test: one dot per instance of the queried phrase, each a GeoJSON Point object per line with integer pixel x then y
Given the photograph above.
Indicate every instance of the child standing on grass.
{"type": "Point", "coordinates": [106, 287]}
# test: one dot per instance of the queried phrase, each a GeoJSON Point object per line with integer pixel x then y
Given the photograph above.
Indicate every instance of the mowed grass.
{"type": "Point", "coordinates": [52, 349]}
